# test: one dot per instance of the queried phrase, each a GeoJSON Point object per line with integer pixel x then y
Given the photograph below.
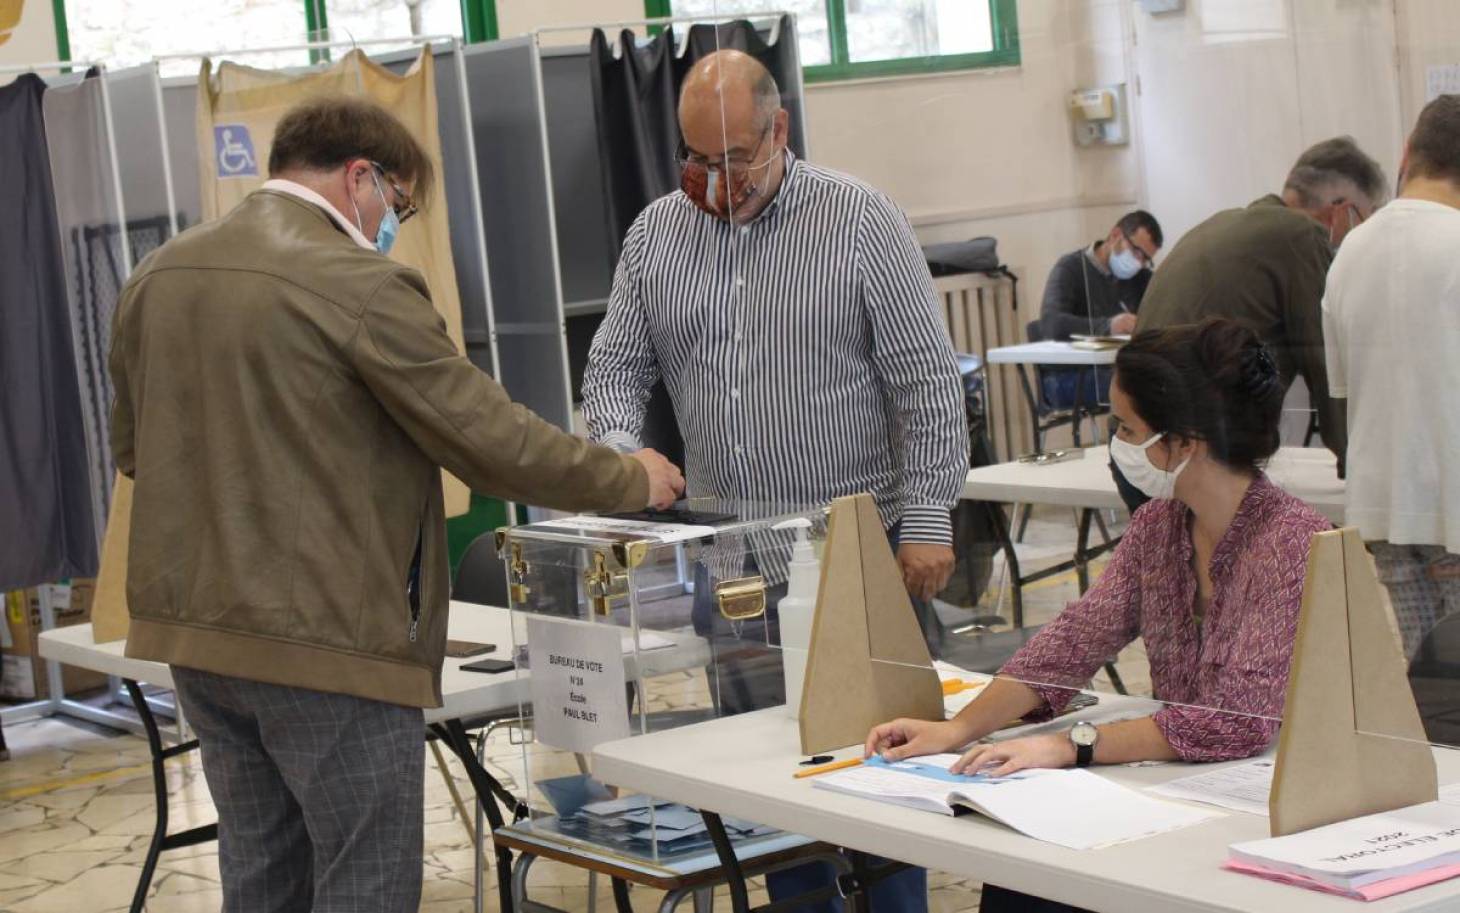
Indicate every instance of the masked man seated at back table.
{"type": "Point", "coordinates": [1096, 291]}
{"type": "Point", "coordinates": [791, 315]}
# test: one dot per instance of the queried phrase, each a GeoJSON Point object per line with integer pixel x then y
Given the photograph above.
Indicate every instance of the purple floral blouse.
{"type": "Point", "coordinates": [1224, 679]}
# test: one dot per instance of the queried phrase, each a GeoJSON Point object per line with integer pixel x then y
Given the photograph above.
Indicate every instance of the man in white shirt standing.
{"type": "Point", "coordinates": [1391, 327]}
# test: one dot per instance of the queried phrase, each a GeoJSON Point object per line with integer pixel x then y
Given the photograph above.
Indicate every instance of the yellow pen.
{"type": "Point", "coordinates": [827, 768]}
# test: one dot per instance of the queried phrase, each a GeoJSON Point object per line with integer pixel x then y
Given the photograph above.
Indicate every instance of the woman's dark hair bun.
{"type": "Point", "coordinates": [1214, 381]}
{"type": "Point", "coordinates": [1260, 377]}
{"type": "Point", "coordinates": [1236, 359]}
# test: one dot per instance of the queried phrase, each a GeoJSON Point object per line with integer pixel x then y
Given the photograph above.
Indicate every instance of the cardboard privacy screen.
{"type": "Point", "coordinates": [868, 662]}
{"type": "Point", "coordinates": [1352, 742]}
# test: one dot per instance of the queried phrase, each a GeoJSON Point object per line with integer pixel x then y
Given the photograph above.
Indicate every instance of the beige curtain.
{"type": "Point", "coordinates": [247, 103]}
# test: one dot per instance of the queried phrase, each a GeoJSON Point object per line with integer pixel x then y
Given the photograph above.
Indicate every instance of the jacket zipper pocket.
{"type": "Point", "coordinates": [413, 588]}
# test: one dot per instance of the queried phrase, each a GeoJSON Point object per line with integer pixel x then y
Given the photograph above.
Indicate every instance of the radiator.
{"type": "Point", "coordinates": [981, 313]}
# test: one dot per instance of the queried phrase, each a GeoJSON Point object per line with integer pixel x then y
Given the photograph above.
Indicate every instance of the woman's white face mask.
{"type": "Point", "coordinates": [1134, 461]}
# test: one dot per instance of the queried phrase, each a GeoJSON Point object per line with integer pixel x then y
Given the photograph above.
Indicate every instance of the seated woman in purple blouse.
{"type": "Point", "coordinates": [1209, 574]}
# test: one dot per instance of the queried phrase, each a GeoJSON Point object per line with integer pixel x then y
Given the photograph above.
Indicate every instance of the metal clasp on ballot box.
{"type": "Point", "coordinates": [517, 571]}
{"type": "Point", "coordinates": [605, 584]}
{"type": "Point", "coordinates": [742, 598]}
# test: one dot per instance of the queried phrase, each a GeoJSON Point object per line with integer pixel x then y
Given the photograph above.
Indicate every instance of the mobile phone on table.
{"type": "Point", "coordinates": [461, 649]}
{"type": "Point", "coordinates": [489, 666]}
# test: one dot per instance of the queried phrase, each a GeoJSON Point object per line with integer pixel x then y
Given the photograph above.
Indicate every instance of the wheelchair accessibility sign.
{"type": "Point", "coordinates": [233, 148]}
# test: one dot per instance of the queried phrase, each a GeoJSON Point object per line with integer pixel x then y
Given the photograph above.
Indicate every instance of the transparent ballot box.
{"type": "Point", "coordinates": [638, 623]}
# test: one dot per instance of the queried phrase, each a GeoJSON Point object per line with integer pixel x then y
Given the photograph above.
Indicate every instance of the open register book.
{"type": "Point", "coordinates": [1072, 808]}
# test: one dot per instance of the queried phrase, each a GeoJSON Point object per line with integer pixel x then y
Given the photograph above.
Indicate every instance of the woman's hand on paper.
{"type": "Point", "coordinates": [999, 759]}
{"type": "Point", "coordinates": [907, 738]}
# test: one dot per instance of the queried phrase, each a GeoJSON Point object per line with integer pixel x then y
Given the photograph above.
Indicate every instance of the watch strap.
{"type": "Point", "coordinates": [1084, 755]}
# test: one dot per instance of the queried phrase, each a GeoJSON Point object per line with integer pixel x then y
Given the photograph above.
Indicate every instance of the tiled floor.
{"type": "Point", "coordinates": [76, 809]}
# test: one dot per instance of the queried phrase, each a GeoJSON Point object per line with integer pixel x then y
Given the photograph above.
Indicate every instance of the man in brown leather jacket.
{"type": "Point", "coordinates": [286, 399]}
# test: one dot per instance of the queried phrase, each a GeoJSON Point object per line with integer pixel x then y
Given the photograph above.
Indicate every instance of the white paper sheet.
{"type": "Point", "coordinates": [1240, 787]}
{"type": "Point", "coordinates": [1079, 809]}
{"type": "Point", "coordinates": [638, 529]}
{"type": "Point", "coordinates": [577, 683]}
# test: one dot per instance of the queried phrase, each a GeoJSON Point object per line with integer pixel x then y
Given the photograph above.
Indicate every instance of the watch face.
{"type": "Point", "coordinates": [1084, 734]}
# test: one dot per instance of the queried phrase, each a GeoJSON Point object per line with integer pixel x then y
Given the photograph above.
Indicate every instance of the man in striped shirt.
{"type": "Point", "coordinates": [791, 315]}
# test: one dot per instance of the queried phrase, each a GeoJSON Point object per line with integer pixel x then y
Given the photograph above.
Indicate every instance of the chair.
{"type": "Point", "coordinates": [1052, 406]}
{"type": "Point", "coordinates": [481, 577]}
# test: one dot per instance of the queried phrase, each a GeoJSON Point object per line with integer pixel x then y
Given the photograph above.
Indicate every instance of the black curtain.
{"type": "Point", "coordinates": [635, 103]}
{"type": "Point", "coordinates": [635, 100]}
{"type": "Point", "coordinates": [46, 521]}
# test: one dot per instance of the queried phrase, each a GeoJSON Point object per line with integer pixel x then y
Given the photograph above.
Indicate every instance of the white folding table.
{"type": "Point", "coordinates": [1052, 353]}
{"type": "Point", "coordinates": [466, 696]}
{"type": "Point", "coordinates": [1085, 483]}
{"type": "Point", "coordinates": [743, 766]}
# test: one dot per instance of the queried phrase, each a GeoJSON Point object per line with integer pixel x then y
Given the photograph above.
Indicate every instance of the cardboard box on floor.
{"type": "Point", "coordinates": [22, 672]}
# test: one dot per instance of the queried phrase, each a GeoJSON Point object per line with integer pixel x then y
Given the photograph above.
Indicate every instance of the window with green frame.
{"type": "Point", "coordinates": [854, 39]}
{"type": "Point", "coordinates": [127, 32]}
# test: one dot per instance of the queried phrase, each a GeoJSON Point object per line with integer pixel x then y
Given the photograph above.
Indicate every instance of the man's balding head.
{"type": "Point", "coordinates": [735, 80]}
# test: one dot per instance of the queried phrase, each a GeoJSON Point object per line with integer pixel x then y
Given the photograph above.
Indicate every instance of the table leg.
{"type": "Point", "coordinates": [1011, 560]}
{"type": "Point", "coordinates": [621, 896]}
{"type": "Point", "coordinates": [161, 839]}
{"type": "Point", "coordinates": [1033, 414]}
{"type": "Point", "coordinates": [729, 862]}
{"type": "Point", "coordinates": [517, 894]}
{"type": "Point", "coordinates": [704, 900]}
{"type": "Point", "coordinates": [1082, 558]}
{"type": "Point", "coordinates": [489, 792]}
{"type": "Point", "coordinates": [1083, 554]}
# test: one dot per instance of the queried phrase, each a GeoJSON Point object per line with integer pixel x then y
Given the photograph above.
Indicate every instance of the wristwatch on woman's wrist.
{"type": "Point", "coordinates": [1084, 736]}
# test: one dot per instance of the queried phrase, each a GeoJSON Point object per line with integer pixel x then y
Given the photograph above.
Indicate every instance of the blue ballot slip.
{"type": "Point", "coordinates": [933, 771]}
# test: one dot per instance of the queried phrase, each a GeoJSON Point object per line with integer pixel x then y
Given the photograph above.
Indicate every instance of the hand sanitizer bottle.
{"type": "Point", "coordinates": [797, 609]}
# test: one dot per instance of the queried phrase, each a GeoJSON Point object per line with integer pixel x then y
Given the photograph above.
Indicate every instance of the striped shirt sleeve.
{"type": "Point", "coordinates": [914, 357]}
{"type": "Point", "coordinates": [622, 367]}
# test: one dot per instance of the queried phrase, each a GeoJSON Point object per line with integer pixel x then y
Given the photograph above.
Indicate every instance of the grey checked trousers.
{"type": "Point", "coordinates": [319, 796]}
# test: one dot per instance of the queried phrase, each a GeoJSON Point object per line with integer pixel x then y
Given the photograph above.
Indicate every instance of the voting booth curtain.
{"type": "Point", "coordinates": [48, 523]}
{"type": "Point", "coordinates": [238, 110]}
{"type": "Point", "coordinates": [635, 100]}
{"type": "Point", "coordinates": [92, 240]}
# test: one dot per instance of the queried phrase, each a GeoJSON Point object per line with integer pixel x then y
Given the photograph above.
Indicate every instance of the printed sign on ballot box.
{"type": "Point", "coordinates": [577, 672]}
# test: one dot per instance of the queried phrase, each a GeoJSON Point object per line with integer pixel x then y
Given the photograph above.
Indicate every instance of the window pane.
{"type": "Point", "coordinates": [810, 21]}
{"type": "Point", "coordinates": [369, 20]}
{"type": "Point", "coordinates": [897, 29]}
{"type": "Point", "coordinates": [128, 32]}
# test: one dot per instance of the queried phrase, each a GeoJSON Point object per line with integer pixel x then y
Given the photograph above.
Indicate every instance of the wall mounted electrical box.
{"type": "Point", "coordinates": [1098, 116]}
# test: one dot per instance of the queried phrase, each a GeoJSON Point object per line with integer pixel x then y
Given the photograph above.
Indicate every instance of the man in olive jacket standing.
{"type": "Point", "coordinates": [286, 398]}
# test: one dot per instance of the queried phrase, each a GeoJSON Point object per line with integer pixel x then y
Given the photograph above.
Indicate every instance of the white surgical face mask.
{"type": "Point", "coordinates": [1134, 461]}
{"type": "Point", "coordinates": [1125, 264]}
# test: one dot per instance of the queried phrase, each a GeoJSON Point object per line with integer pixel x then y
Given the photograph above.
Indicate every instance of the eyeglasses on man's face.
{"type": "Point", "coordinates": [404, 207]}
{"type": "Point", "coordinates": [735, 161]}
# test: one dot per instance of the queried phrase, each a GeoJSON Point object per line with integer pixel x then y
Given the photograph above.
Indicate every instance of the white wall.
{"type": "Point", "coordinates": [1429, 35]}
{"type": "Point", "coordinates": [989, 152]}
{"type": "Point", "coordinates": [1232, 91]}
